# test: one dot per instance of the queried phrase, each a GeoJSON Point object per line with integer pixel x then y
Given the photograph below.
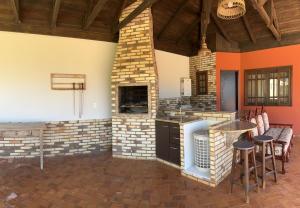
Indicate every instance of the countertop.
{"type": "Point", "coordinates": [236, 126]}
{"type": "Point", "coordinates": [179, 119]}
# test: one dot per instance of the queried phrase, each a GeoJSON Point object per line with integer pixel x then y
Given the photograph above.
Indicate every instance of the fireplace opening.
{"type": "Point", "coordinates": [133, 99]}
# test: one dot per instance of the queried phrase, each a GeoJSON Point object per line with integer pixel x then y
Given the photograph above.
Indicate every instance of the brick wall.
{"type": "Point", "coordinates": [60, 138]}
{"type": "Point", "coordinates": [171, 103]}
{"type": "Point", "coordinates": [133, 136]}
{"type": "Point", "coordinates": [205, 62]}
{"type": "Point", "coordinates": [221, 153]}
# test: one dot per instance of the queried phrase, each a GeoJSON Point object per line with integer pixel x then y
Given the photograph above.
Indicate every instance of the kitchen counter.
{"type": "Point", "coordinates": [176, 143]}
{"type": "Point", "coordinates": [236, 126]}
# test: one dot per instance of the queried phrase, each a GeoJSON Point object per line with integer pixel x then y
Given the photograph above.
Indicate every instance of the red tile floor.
{"type": "Point", "coordinates": [97, 181]}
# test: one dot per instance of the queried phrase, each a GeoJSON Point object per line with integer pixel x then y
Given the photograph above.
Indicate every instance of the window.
{"type": "Point", "coordinates": [271, 86]}
{"type": "Point", "coordinates": [202, 82]}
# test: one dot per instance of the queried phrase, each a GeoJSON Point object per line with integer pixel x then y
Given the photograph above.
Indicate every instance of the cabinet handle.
{"type": "Point", "coordinates": [165, 126]}
{"type": "Point", "coordinates": [176, 138]}
{"type": "Point", "coordinates": [174, 148]}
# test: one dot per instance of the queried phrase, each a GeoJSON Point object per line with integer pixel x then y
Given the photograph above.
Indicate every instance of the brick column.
{"type": "Point", "coordinates": [134, 135]}
{"type": "Point", "coordinates": [206, 62]}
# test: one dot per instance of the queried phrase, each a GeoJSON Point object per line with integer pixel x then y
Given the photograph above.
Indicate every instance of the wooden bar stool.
{"type": "Point", "coordinates": [245, 148]}
{"type": "Point", "coordinates": [263, 141]}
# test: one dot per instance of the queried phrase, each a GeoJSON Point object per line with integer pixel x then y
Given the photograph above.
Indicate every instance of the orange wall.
{"type": "Point", "coordinates": [282, 56]}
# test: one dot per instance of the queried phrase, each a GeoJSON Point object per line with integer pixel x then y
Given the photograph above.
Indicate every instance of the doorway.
{"type": "Point", "coordinates": [229, 90]}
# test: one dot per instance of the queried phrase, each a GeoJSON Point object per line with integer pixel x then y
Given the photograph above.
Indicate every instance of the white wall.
{"type": "Point", "coordinates": [26, 62]}
{"type": "Point", "coordinates": [171, 67]}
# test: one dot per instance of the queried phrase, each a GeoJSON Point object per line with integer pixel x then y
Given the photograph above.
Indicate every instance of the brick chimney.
{"type": "Point", "coordinates": [133, 135]}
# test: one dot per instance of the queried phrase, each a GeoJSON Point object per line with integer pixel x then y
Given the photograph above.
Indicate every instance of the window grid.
{"type": "Point", "coordinates": [270, 86]}
{"type": "Point", "coordinates": [202, 82]}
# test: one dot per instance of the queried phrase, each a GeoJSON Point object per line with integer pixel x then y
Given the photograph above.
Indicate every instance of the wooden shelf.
{"type": "Point", "coordinates": [68, 81]}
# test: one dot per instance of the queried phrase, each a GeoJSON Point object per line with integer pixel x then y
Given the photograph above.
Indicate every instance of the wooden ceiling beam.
{"type": "Point", "coordinates": [118, 16]}
{"type": "Point", "coordinates": [220, 27]}
{"type": "Point", "coordinates": [267, 19]}
{"type": "Point", "coordinates": [267, 43]}
{"type": "Point", "coordinates": [16, 10]}
{"type": "Point", "coordinates": [123, 5]}
{"type": "Point", "coordinates": [56, 6]}
{"type": "Point", "coordinates": [274, 15]}
{"type": "Point", "coordinates": [95, 11]}
{"type": "Point", "coordinates": [205, 16]}
{"type": "Point", "coordinates": [204, 19]}
{"type": "Point", "coordinates": [173, 17]}
{"type": "Point", "coordinates": [146, 4]}
{"type": "Point", "coordinates": [249, 29]}
{"type": "Point", "coordinates": [262, 2]}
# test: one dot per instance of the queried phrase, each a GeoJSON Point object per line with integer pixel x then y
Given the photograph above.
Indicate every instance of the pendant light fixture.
{"type": "Point", "coordinates": [231, 9]}
{"type": "Point", "coordinates": [204, 50]}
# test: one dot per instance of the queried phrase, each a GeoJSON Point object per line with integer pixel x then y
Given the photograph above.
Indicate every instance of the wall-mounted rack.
{"type": "Point", "coordinates": [68, 81]}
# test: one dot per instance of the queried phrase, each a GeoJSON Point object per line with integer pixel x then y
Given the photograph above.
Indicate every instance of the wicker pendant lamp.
{"type": "Point", "coordinates": [231, 9]}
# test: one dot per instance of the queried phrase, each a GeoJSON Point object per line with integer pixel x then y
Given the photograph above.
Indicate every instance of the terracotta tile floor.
{"type": "Point", "coordinates": [100, 181]}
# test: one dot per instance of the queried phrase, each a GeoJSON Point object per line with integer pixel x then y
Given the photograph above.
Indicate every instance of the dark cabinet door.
{"type": "Point", "coordinates": [162, 140]}
{"type": "Point", "coordinates": [174, 135]}
{"type": "Point", "coordinates": [174, 156]}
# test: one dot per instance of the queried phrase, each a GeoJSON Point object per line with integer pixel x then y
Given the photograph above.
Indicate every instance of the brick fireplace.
{"type": "Point", "coordinates": [133, 134]}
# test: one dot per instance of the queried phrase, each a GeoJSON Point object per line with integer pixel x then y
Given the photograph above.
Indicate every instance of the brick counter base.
{"type": "Point", "coordinates": [60, 138]}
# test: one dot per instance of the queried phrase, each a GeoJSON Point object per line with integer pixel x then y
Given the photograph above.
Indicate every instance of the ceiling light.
{"type": "Point", "coordinates": [231, 9]}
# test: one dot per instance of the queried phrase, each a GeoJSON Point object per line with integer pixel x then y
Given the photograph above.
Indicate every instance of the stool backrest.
{"type": "Point", "coordinates": [266, 121]}
{"type": "Point", "coordinates": [260, 124]}
{"type": "Point", "coordinates": [254, 132]}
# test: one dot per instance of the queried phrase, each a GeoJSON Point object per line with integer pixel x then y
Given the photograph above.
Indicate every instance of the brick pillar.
{"type": "Point", "coordinates": [205, 62]}
{"type": "Point", "coordinates": [134, 135]}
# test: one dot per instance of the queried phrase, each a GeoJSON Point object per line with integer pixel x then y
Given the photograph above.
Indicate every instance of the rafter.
{"type": "Point", "coordinates": [116, 21]}
{"type": "Point", "coordinates": [249, 29]}
{"type": "Point", "coordinates": [220, 27]}
{"type": "Point", "coordinates": [274, 15]}
{"type": "Point", "coordinates": [204, 19]}
{"type": "Point", "coordinates": [173, 17]}
{"type": "Point", "coordinates": [205, 16]}
{"type": "Point", "coordinates": [262, 2]}
{"type": "Point", "coordinates": [16, 9]}
{"type": "Point", "coordinates": [124, 3]}
{"type": "Point", "coordinates": [56, 7]}
{"type": "Point", "coordinates": [96, 10]}
{"type": "Point", "coordinates": [146, 4]}
{"type": "Point", "coordinates": [269, 21]}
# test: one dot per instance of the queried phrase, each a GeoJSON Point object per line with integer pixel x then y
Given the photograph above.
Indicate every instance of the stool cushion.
{"type": "Point", "coordinates": [243, 145]}
{"type": "Point", "coordinates": [260, 125]}
{"type": "Point", "coordinates": [263, 138]}
{"type": "Point", "coordinates": [266, 121]}
{"type": "Point", "coordinates": [254, 132]}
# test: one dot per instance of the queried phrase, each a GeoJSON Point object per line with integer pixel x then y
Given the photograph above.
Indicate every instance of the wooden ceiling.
{"type": "Point", "coordinates": [177, 23]}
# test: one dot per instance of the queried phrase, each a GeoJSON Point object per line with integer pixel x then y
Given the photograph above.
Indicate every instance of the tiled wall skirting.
{"type": "Point", "coordinates": [60, 138]}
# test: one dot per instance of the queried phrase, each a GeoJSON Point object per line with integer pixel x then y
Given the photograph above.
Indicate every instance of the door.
{"type": "Point", "coordinates": [229, 90]}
